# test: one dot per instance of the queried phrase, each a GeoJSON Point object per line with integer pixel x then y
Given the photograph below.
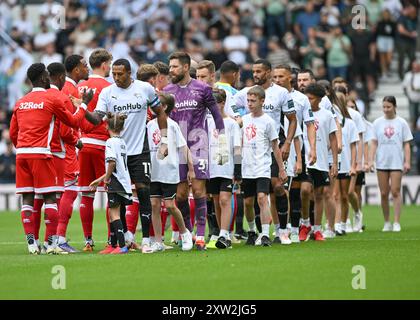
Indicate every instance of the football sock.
{"type": "Point", "coordinates": [145, 210]}
{"type": "Point", "coordinates": [28, 223]}
{"type": "Point", "coordinates": [86, 214]}
{"type": "Point", "coordinates": [201, 213]}
{"type": "Point", "coordinates": [65, 212]}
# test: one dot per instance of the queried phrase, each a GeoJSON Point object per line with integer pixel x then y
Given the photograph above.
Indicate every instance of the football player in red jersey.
{"type": "Point", "coordinates": [92, 156]}
{"type": "Point", "coordinates": [31, 131]}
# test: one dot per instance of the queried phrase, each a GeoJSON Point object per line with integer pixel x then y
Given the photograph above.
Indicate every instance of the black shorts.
{"type": "Point", "coordinates": [116, 199]}
{"type": "Point", "coordinates": [360, 180]}
{"type": "Point", "coordinates": [303, 176]}
{"type": "Point", "coordinates": [251, 187]}
{"type": "Point", "coordinates": [163, 190]}
{"type": "Point", "coordinates": [319, 178]}
{"type": "Point", "coordinates": [343, 176]}
{"type": "Point", "coordinates": [139, 168]}
{"type": "Point", "coordinates": [274, 166]}
{"type": "Point", "coordinates": [216, 185]}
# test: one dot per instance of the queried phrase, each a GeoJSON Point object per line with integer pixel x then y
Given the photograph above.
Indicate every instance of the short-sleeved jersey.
{"type": "Point", "coordinates": [327, 105]}
{"type": "Point", "coordinates": [391, 135]}
{"type": "Point", "coordinates": [358, 120]}
{"type": "Point", "coordinates": [94, 136]}
{"type": "Point", "coordinates": [349, 136]}
{"type": "Point", "coordinates": [233, 134]}
{"type": "Point", "coordinates": [134, 102]}
{"type": "Point", "coordinates": [70, 88]}
{"type": "Point", "coordinates": [230, 107]}
{"type": "Point", "coordinates": [277, 101]}
{"type": "Point", "coordinates": [116, 150]}
{"type": "Point", "coordinates": [324, 126]}
{"type": "Point", "coordinates": [167, 169]}
{"type": "Point", "coordinates": [368, 136]}
{"type": "Point", "coordinates": [258, 133]}
{"type": "Point", "coordinates": [291, 160]}
{"type": "Point", "coordinates": [303, 108]}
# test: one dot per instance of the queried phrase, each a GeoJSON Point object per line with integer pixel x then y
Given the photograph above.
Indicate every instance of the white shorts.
{"type": "Point", "coordinates": [385, 44]}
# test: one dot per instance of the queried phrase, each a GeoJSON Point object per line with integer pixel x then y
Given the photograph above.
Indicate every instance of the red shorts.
{"type": "Point", "coordinates": [92, 166]}
{"type": "Point", "coordinates": [36, 175]}
{"type": "Point", "coordinates": [59, 165]}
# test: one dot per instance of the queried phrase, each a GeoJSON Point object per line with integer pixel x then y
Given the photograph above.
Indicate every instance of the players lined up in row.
{"type": "Point", "coordinates": [283, 151]}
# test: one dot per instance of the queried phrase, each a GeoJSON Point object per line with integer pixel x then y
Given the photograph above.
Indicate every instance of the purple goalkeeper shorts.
{"type": "Point", "coordinates": [201, 169]}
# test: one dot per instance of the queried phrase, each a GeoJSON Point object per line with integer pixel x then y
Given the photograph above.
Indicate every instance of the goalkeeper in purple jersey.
{"type": "Point", "coordinates": [193, 99]}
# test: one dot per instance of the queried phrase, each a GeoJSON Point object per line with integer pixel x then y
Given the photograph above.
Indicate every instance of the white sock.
{"type": "Point", "coordinates": [295, 230]}
{"type": "Point", "coordinates": [289, 226]}
{"type": "Point", "coordinates": [317, 228]}
{"type": "Point", "coordinates": [175, 235]}
{"type": "Point", "coordinates": [61, 240]}
{"type": "Point", "coordinates": [306, 222]}
{"type": "Point", "coordinates": [337, 227]}
{"type": "Point", "coordinates": [224, 233]}
{"type": "Point", "coordinates": [200, 238]}
{"type": "Point", "coordinates": [251, 225]}
{"type": "Point", "coordinates": [230, 235]}
{"type": "Point", "coordinates": [145, 241]}
{"type": "Point", "coordinates": [343, 226]}
{"type": "Point", "coordinates": [348, 221]}
{"type": "Point", "coordinates": [283, 231]}
{"type": "Point", "coordinates": [266, 230]}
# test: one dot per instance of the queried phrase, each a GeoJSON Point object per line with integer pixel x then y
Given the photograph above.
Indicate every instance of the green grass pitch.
{"type": "Point", "coordinates": [306, 271]}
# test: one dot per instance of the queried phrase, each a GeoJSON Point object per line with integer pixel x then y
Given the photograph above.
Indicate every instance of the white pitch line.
{"type": "Point", "coordinates": [365, 239]}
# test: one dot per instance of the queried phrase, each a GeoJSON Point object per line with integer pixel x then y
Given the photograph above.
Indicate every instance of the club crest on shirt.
{"type": "Point", "coordinates": [156, 137]}
{"type": "Point", "coordinates": [137, 95]}
{"type": "Point", "coordinates": [251, 131]}
{"type": "Point", "coordinates": [316, 123]}
{"type": "Point", "coordinates": [389, 131]}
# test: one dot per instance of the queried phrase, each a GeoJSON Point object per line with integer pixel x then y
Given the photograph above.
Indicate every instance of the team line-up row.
{"type": "Point", "coordinates": [278, 153]}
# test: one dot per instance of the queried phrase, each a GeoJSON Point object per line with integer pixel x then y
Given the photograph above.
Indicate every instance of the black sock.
{"type": "Point", "coordinates": [211, 219]}
{"type": "Point", "coordinates": [295, 207]}
{"type": "Point", "coordinates": [282, 210]}
{"type": "Point", "coordinates": [112, 235]}
{"type": "Point", "coordinates": [30, 238]}
{"type": "Point", "coordinates": [239, 222]}
{"type": "Point", "coordinates": [122, 217]}
{"type": "Point", "coordinates": [119, 232]}
{"type": "Point", "coordinates": [312, 212]}
{"type": "Point", "coordinates": [257, 215]}
{"type": "Point", "coordinates": [184, 207]}
{"type": "Point", "coordinates": [145, 209]}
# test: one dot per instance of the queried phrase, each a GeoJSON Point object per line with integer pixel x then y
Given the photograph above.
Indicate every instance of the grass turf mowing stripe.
{"type": "Point", "coordinates": [306, 271]}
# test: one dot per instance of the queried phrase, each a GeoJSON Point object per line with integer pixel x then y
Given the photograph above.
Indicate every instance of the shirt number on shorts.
{"type": "Point", "coordinates": [146, 166]}
{"type": "Point", "coordinates": [202, 164]}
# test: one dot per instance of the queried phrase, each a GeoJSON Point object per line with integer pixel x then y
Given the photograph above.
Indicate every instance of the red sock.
{"type": "Point", "coordinates": [86, 215]}
{"type": "Point", "coordinates": [51, 221]}
{"type": "Point", "coordinates": [132, 216]}
{"type": "Point", "coordinates": [27, 219]}
{"type": "Point", "coordinates": [164, 215]}
{"type": "Point", "coordinates": [38, 202]}
{"type": "Point", "coordinates": [192, 212]}
{"type": "Point", "coordinates": [65, 212]}
{"type": "Point", "coordinates": [175, 227]}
